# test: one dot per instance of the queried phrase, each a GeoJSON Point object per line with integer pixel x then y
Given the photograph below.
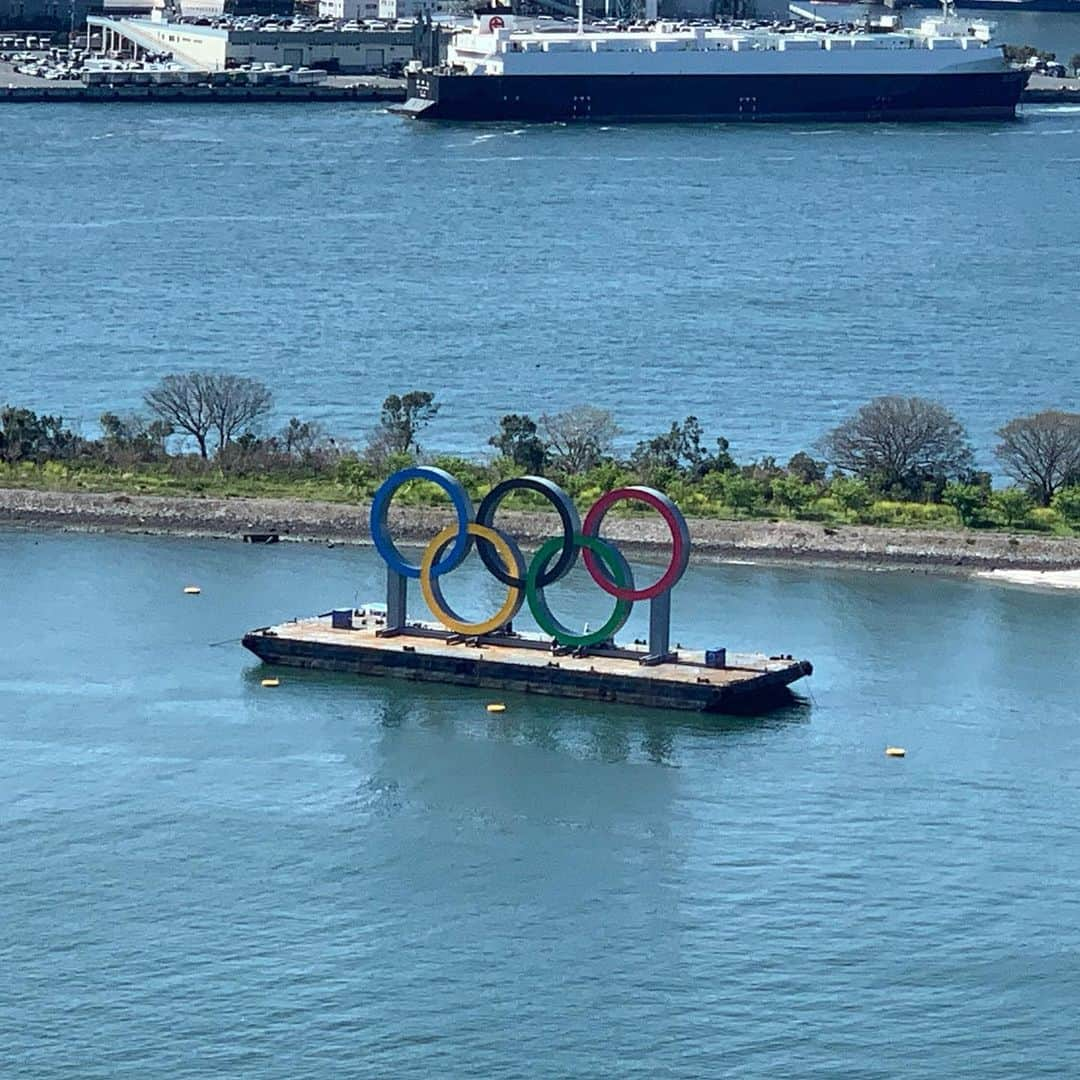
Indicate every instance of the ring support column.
{"type": "Point", "coordinates": [397, 595]}
{"type": "Point", "coordinates": [659, 629]}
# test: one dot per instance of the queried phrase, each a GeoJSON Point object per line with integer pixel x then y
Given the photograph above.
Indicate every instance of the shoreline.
{"type": "Point", "coordinates": [866, 547]}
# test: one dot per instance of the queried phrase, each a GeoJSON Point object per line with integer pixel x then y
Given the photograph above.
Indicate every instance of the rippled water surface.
{"type": "Point", "coordinates": [203, 878]}
{"type": "Point", "coordinates": [200, 877]}
{"type": "Point", "coordinates": [768, 279]}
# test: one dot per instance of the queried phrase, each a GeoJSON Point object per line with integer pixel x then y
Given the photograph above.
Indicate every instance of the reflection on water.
{"type": "Point", "coordinates": [609, 732]}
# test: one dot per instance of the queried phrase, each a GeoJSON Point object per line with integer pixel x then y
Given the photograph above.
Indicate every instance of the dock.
{"type": "Point", "coordinates": [530, 664]}
{"type": "Point", "coordinates": [59, 92]}
{"type": "Point", "coordinates": [1045, 90]}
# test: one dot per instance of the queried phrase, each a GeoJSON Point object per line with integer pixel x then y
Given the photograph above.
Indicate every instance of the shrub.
{"type": "Point", "coordinates": [1044, 518]}
{"type": "Point", "coordinates": [356, 476]}
{"type": "Point", "coordinates": [968, 500]}
{"type": "Point", "coordinates": [1012, 506]}
{"type": "Point", "coordinates": [851, 496]}
{"type": "Point", "coordinates": [1067, 503]}
{"type": "Point", "coordinates": [742, 492]}
{"type": "Point", "coordinates": [472, 475]}
{"type": "Point", "coordinates": [898, 512]}
{"type": "Point", "coordinates": [792, 494]}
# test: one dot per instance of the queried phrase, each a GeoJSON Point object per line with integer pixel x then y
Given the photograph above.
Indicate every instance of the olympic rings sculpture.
{"type": "Point", "coordinates": [502, 556]}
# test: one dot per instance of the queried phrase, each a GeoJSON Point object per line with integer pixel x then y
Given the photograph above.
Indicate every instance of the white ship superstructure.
{"type": "Point", "coordinates": [937, 45]}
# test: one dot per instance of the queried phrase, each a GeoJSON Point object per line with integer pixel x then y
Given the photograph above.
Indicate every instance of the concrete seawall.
{"type": "Point", "coordinates": [1043, 90]}
{"type": "Point", "coordinates": [196, 94]}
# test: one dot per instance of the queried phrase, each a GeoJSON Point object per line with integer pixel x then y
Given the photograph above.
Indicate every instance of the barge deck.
{"type": "Point", "coordinates": [531, 664]}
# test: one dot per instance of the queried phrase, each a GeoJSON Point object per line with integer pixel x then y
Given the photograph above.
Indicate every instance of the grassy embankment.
{"type": "Point", "coordinates": [731, 496]}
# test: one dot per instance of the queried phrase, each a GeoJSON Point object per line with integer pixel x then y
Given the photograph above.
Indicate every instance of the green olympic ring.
{"type": "Point", "coordinates": [616, 565]}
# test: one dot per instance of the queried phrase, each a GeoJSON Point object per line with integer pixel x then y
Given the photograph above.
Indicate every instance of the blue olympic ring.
{"type": "Point", "coordinates": [380, 530]}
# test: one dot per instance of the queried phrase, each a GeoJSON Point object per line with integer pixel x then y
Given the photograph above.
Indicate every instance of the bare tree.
{"type": "Point", "coordinates": [1042, 452]}
{"type": "Point", "coordinates": [183, 401]}
{"type": "Point", "coordinates": [235, 404]}
{"type": "Point", "coordinates": [579, 437]}
{"type": "Point", "coordinates": [899, 443]}
{"type": "Point", "coordinates": [203, 401]}
{"type": "Point", "coordinates": [303, 438]}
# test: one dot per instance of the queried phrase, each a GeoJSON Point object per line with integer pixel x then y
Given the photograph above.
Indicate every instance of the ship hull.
{"type": "Point", "coordinates": [983, 95]}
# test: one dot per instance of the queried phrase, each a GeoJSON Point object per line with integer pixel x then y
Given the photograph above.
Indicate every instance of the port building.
{"type": "Point", "coordinates": [218, 48]}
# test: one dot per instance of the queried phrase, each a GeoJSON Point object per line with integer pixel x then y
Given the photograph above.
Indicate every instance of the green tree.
{"type": "Point", "coordinates": [25, 436]}
{"type": "Point", "coordinates": [742, 492]}
{"type": "Point", "coordinates": [851, 495]}
{"type": "Point", "coordinates": [517, 441]}
{"type": "Point", "coordinates": [133, 438]}
{"type": "Point", "coordinates": [681, 451]}
{"type": "Point", "coordinates": [663, 453]}
{"type": "Point", "coordinates": [1012, 505]}
{"type": "Point", "coordinates": [968, 500]}
{"type": "Point", "coordinates": [403, 418]}
{"type": "Point", "coordinates": [792, 494]}
{"type": "Point", "coordinates": [1021, 54]}
{"type": "Point", "coordinates": [806, 468]}
{"type": "Point", "coordinates": [1067, 503]}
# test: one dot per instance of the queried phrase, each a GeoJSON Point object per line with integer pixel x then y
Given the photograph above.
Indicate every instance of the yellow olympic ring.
{"type": "Point", "coordinates": [511, 559]}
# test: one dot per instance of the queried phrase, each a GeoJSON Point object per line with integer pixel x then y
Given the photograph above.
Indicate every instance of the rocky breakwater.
{"type": "Point", "coordinates": [714, 540]}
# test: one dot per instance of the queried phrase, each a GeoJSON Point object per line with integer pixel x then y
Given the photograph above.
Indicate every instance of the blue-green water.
{"type": "Point", "coordinates": [200, 877]}
{"type": "Point", "coordinates": [768, 279]}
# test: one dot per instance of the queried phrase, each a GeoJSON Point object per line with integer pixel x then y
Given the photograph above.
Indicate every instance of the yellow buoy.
{"type": "Point", "coordinates": [895, 751]}
{"type": "Point", "coordinates": [271, 682]}
{"type": "Point", "coordinates": [496, 706]}
{"type": "Point", "coordinates": [192, 590]}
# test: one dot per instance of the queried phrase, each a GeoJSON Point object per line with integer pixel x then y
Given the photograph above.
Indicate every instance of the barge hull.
{"type": "Point", "coordinates": [686, 98]}
{"type": "Point", "coordinates": [750, 684]}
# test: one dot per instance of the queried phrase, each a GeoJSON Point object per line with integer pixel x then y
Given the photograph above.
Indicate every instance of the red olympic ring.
{"type": "Point", "coordinates": [495, 23]}
{"type": "Point", "coordinates": [680, 541]}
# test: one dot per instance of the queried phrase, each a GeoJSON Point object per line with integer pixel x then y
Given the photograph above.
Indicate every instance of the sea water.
{"type": "Point", "coordinates": [203, 877]}
{"type": "Point", "coordinates": [768, 279]}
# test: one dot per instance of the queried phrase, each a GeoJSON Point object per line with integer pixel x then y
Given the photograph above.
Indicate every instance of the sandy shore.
{"type": "Point", "coordinates": [777, 541]}
{"type": "Point", "coordinates": [1039, 579]}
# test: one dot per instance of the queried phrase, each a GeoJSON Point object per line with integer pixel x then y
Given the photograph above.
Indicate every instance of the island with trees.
{"type": "Point", "coordinates": [896, 462]}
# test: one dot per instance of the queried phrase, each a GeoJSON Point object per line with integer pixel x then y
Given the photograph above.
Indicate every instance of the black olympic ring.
{"type": "Point", "coordinates": [566, 510]}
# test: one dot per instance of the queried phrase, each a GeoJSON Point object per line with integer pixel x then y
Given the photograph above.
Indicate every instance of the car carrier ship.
{"type": "Point", "coordinates": [502, 69]}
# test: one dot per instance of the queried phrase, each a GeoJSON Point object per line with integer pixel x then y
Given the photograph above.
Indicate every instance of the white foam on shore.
{"type": "Point", "coordinates": [1046, 579]}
